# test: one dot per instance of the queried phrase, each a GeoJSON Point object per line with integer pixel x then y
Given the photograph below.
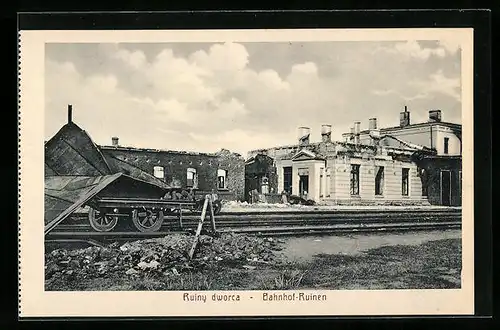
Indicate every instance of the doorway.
{"type": "Point", "coordinates": [303, 185]}
{"type": "Point", "coordinates": [446, 188]}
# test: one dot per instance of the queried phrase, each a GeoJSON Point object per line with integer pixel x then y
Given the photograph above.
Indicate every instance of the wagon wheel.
{"type": "Point", "coordinates": [147, 220]}
{"type": "Point", "coordinates": [101, 221]}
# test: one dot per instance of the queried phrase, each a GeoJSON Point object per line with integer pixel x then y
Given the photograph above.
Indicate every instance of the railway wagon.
{"type": "Point", "coordinates": [147, 214]}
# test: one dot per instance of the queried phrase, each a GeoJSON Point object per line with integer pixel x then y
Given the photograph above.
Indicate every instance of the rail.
{"type": "Point", "coordinates": [280, 224]}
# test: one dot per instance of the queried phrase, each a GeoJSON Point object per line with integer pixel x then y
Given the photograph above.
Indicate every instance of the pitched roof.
{"type": "Point", "coordinates": [71, 151]}
{"type": "Point", "coordinates": [305, 152]}
{"type": "Point", "coordinates": [404, 143]}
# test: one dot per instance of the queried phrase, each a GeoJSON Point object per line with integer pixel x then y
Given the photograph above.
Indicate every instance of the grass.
{"type": "Point", "coordinates": [431, 265]}
{"type": "Point", "coordinates": [286, 280]}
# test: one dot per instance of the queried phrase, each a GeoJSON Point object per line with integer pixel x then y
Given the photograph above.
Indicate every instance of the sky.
{"type": "Point", "coordinates": [242, 96]}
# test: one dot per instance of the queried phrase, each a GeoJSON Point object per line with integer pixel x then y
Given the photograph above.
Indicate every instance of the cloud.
{"type": "Point", "coordinates": [239, 140]}
{"type": "Point", "coordinates": [214, 97]}
{"type": "Point", "coordinates": [450, 45]}
{"type": "Point", "coordinates": [412, 49]}
{"type": "Point", "coordinates": [439, 83]}
{"type": "Point", "coordinates": [390, 92]}
{"type": "Point", "coordinates": [135, 59]}
{"type": "Point", "coordinates": [226, 57]}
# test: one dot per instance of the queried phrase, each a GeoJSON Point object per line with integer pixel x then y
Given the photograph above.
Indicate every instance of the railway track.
{"type": "Point", "coordinates": [275, 224]}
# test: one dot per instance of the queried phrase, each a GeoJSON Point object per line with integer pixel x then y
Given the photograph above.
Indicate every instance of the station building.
{"type": "Point", "coordinates": [410, 164]}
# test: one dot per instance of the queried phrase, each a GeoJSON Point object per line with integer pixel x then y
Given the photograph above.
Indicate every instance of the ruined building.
{"type": "Point", "coordinates": [71, 152]}
{"type": "Point", "coordinates": [410, 164]}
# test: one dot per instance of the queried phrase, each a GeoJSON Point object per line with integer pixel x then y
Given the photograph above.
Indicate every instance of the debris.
{"type": "Point", "coordinates": [160, 256]}
{"type": "Point", "coordinates": [249, 267]}
{"type": "Point", "coordinates": [131, 271]}
{"type": "Point", "coordinates": [146, 265]}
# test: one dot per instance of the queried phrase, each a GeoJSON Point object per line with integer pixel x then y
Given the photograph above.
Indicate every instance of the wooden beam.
{"type": "Point", "coordinates": [198, 230]}
{"type": "Point", "coordinates": [180, 217]}
{"type": "Point", "coordinates": [212, 215]}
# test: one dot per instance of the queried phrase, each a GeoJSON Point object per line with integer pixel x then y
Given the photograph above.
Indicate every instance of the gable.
{"type": "Point", "coordinates": [304, 154]}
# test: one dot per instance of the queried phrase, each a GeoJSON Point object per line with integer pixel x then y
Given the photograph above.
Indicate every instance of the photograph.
{"type": "Point", "coordinates": [248, 166]}
{"type": "Point", "coordinates": [246, 173]}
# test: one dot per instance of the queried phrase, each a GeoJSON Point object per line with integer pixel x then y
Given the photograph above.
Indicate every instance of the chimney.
{"type": "Point", "coordinates": [357, 130]}
{"type": "Point", "coordinates": [303, 135]}
{"type": "Point", "coordinates": [351, 135]}
{"type": "Point", "coordinates": [114, 141]}
{"type": "Point", "coordinates": [326, 133]}
{"type": "Point", "coordinates": [70, 113]}
{"type": "Point", "coordinates": [357, 127]}
{"type": "Point", "coordinates": [372, 124]}
{"type": "Point", "coordinates": [434, 115]}
{"type": "Point", "coordinates": [404, 118]}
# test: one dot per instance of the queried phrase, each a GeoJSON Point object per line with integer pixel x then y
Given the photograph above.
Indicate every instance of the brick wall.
{"type": "Point", "coordinates": [263, 166]}
{"type": "Point", "coordinates": [234, 165]}
{"type": "Point", "coordinates": [175, 165]}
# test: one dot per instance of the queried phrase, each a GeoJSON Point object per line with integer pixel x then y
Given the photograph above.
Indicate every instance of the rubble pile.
{"type": "Point", "coordinates": [160, 256]}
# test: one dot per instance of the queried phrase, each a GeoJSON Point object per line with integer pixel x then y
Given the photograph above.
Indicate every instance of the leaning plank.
{"type": "Point", "coordinates": [212, 216]}
{"type": "Point", "coordinates": [180, 217]}
{"type": "Point", "coordinates": [198, 230]}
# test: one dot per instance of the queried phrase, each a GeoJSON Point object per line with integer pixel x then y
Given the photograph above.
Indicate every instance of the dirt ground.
{"type": "Point", "coordinates": [239, 262]}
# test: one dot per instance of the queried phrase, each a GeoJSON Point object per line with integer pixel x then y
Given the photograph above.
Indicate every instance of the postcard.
{"type": "Point", "coordinates": [304, 172]}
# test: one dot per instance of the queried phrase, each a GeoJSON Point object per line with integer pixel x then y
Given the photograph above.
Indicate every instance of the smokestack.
{"type": "Point", "coordinates": [357, 127]}
{"type": "Point", "coordinates": [357, 130]}
{"type": "Point", "coordinates": [372, 124]}
{"type": "Point", "coordinates": [326, 133]}
{"type": "Point", "coordinates": [434, 115]}
{"type": "Point", "coordinates": [404, 117]}
{"type": "Point", "coordinates": [70, 113]}
{"type": "Point", "coordinates": [114, 141]}
{"type": "Point", "coordinates": [351, 135]}
{"type": "Point", "coordinates": [303, 135]}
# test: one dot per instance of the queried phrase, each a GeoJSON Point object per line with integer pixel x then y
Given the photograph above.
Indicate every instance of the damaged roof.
{"type": "Point", "coordinates": [66, 194]}
{"type": "Point", "coordinates": [71, 152]}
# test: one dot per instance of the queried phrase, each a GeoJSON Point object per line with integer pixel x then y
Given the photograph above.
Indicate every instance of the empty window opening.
{"type": "Point", "coordinates": [405, 181]}
{"type": "Point", "coordinates": [221, 179]}
{"type": "Point", "coordinates": [159, 172]}
{"type": "Point", "coordinates": [264, 187]}
{"type": "Point", "coordinates": [379, 180]}
{"type": "Point", "coordinates": [321, 185]}
{"type": "Point", "coordinates": [446, 144]}
{"type": "Point", "coordinates": [192, 178]}
{"type": "Point", "coordinates": [287, 179]}
{"type": "Point", "coordinates": [354, 179]}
